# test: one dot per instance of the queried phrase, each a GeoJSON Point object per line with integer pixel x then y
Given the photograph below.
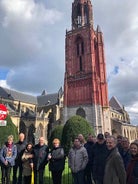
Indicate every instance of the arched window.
{"type": "Point", "coordinates": [80, 63]}
{"type": "Point", "coordinates": [86, 15]}
{"type": "Point", "coordinates": [81, 112]}
{"type": "Point", "coordinates": [82, 47]}
{"type": "Point", "coordinates": [31, 132]}
{"type": "Point", "coordinates": [80, 51]}
{"type": "Point", "coordinates": [22, 127]}
{"type": "Point", "coordinates": [79, 15]}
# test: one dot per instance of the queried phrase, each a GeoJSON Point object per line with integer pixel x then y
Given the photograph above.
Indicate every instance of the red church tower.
{"type": "Point", "coordinates": [85, 85]}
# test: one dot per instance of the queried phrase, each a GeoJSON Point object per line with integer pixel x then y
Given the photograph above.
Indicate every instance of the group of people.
{"type": "Point", "coordinates": [104, 160]}
{"type": "Point", "coordinates": [99, 160]}
{"type": "Point", "coordinates": [24, 158]}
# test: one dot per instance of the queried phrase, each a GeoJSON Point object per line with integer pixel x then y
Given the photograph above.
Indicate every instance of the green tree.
{"type": "Point", "coordinates": [74, 126]}
{"type": "Point", "coordinates": [56, 133]}
{"type": "Point", "coordinates": [9, 129]}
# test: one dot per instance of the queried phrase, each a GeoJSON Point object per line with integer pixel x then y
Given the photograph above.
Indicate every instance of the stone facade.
{"type": "Point", "coordinates": [120, 121]}
{"type": "Point", "coordinates": [34, 116]}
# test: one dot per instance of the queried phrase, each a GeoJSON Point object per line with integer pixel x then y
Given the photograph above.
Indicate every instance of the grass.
{"type": "Point", "coordinates": [66, 176]}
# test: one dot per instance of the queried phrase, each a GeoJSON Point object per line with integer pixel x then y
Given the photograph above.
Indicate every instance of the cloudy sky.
{"type": "Point", "coordinates": [32, 41]}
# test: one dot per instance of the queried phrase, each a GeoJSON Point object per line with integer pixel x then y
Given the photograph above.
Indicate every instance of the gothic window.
{"type": "Point", "coordinates": [79, 21]}
{"type": "Point", "coordinates": [82, 47]}
{"type": "Point", "coordinates": [31, 131]}
{"type": "Point", "coordinates": [79, 16]}
{"type": "Point", "coordinates": [85, 14]}
{"type": "Point", "coordinates": [78, 49]}
{"type": "Point", "coordinates": [80, 63]}
{"type": "Point", "coordinates": [81, 112]}
{"type": "Point", "coordinates": [22, 127]}
{"type": "Point", "coordinates": [80, 52]}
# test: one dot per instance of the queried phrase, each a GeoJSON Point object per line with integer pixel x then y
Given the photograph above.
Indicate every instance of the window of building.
{"type": "Point", "coordinates": [78, 49]}
{"type": "Point", "coordinates": [80, 63]}
{"type": "Point", "coordinates": [80, 52]}
{"type": "Point", "coordinates": [82, 47]}
{"type": "Point", "coordinates": [81, 112]}
{"type": "Point", "coordinates": [85, 14]}
{"type": "Point", "coordinates": [79, 16]}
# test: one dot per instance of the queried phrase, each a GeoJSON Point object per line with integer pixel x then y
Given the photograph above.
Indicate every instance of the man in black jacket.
{"type": "Point", "coordinates": [88, 169]}
{"type": "Point", "coordinates": [41, 151]}
{"type": "Point", "coordinates": [21, 144]}
{"type": "Point", "coordinates": [99, 155]}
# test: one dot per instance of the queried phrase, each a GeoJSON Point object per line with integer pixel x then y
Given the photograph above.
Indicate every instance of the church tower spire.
{"type": "Point", "coordinates": [81, 13]}
{"type": "Point", "coordinates": [85, 85]}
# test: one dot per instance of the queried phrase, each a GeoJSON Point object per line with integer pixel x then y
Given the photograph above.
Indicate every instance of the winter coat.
{"type": "Point", "coordinates": [9, 156]}
{"type": "Point", "coordinates": [40, 156]}
{"type": "Point", "coordinates": [132, 171]}
{"type": "Point", "coordinates": [126, 156]}
{"type": "Point", "coordinates": [57, 160]}
{"type": "Point", "coordinates": [114, 170]}
{"type": "Point", "coordinates": [26, 161]}
{"type": "Point", "coordinates": [20, 148]}
{"type": "Point", "coordinates": [77, 159]}
{"type": "Point", "coordinates": [99, 156]}
{"type": "Point", "coordinates": [89, 146]}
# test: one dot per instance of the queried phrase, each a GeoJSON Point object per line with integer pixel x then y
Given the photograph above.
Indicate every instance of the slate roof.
{"type": "Point", "coordinates": [42, 100]}
{"type": "Point", "coordinates": [15, 95]}
{"type": "Point", "coordinates": [47, 99]}
{"type": "Point", "coordinates": [115, 104]}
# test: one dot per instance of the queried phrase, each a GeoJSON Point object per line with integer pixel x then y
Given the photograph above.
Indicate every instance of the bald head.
{"type": "Point", "coordinates": [41, 141]}
{"type": "Point", "coordinates": [21, 137]}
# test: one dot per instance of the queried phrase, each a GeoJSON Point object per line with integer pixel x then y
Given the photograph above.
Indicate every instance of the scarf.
{"type": "Point", "coordinates": [9, 146]}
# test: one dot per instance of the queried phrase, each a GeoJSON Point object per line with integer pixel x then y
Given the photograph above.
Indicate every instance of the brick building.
{"type": "Point", "coordinates": [85, 84]}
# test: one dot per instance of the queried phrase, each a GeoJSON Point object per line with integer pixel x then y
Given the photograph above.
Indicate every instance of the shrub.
{"type": "Point", "coordinates": [74, 126]}
{"type": "Point", "coordinates": [56, 133]}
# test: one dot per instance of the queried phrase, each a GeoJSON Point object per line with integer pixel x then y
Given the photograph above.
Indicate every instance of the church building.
{"type": "Point", "coordinates": [85, 83]}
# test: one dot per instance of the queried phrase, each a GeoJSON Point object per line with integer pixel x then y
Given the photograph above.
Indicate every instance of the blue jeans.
{"type": "Point", "coordinates": [78, 178]}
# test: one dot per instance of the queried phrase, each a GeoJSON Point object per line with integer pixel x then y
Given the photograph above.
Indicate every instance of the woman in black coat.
{"type": "Point", "coordinates": [132, 169]}
{"type": "Point", "coordinates": [56, 162]}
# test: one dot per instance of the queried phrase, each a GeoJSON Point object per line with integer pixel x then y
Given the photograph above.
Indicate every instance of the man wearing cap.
{"type": "Point", "coordinates": [99, 155]}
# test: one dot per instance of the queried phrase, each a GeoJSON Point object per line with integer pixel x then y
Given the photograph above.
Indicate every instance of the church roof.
{"type": "Point", "coordinates": [115, 104]}
{"type": "Point", "coordinates": [47, 99]}
{"type": "Point", "coordinates": [16, 95]}
{"type": "Point", "coordinates": [42, 100]}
